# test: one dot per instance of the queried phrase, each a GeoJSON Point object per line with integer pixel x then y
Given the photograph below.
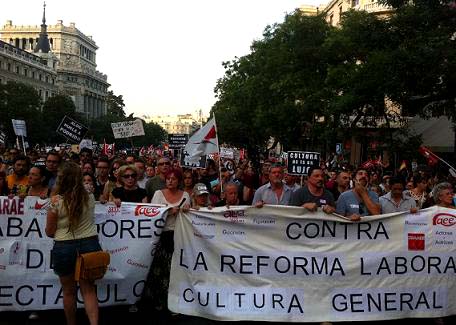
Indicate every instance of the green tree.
{"type": "Point", "coordinates": [423, 61]}
{"type": "Point", "coordinates": [273, 91]}
{"type": "Point", "coordinates": [153, 134]}
{"type": "Point", "coordinates": [54, 110]}
{"type": "Point", "coordinates": [115, 105]}
{"type": "Point", "coordinates": [22, 102]}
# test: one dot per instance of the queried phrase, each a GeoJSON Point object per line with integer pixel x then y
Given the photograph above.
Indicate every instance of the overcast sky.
{"type": "Point", "coordinates": [163, 56]}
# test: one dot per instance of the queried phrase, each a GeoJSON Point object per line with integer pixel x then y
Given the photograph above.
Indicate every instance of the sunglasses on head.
{"type": "Point", "coordinates": [129, 176]}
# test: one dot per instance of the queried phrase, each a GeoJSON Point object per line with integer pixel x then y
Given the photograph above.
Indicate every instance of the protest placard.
{"type": "Point", "coordinates": [226, 153]}
{"type": "Point", "coordinates": [185, 162]}
{"type": "Point", "coordinates": [71, 129]}
{"type": "Point", "coordinates": [299, 162]}
{"type": "Point", "coordinates": [128, 129]}
{"type": "Point", "coordinates": [19, 127]}
{"type": "Point", "coordinates": [284, 264]}
{"type": "Point", "coordinates": [177, 141]}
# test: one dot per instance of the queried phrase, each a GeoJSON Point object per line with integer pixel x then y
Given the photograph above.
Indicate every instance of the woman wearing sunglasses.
{"type": "Point", "coordinates": [129, 191]}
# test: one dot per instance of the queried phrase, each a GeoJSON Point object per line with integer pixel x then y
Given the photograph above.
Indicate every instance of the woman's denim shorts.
{"type": "Point", "coordinates": [65, 252]}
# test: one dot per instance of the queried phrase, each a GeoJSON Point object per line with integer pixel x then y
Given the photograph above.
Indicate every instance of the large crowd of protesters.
{"type": "Point", "coordinates": [341, 190]}
{"type": "Point", "coordinates": [131, 178]}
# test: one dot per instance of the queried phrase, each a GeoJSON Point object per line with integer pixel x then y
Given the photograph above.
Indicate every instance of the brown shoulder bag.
{"type": "Point", "coordinates": [91, 266]}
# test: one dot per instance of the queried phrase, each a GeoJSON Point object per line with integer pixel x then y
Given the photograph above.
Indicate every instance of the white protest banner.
{"type": "Point", "coordinates": [27, 281]}
{"type": "Point", "coordinates": [19, 128]}
{"type": "Point", "coordinates": [288, 265]}
{"type": "Point", "coordinates": [127, 129]}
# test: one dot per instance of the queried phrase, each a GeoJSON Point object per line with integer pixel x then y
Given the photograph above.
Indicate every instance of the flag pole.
{"type": "Point", "coordinates": [23, 145]}
{"type": "Point", "coordinates": [220, 158]}
{"type": "Point", "coordinates": [445, 162]}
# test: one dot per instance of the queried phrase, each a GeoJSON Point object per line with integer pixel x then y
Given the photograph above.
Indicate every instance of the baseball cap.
{"type": "Point", "coordinates": [199, 189]}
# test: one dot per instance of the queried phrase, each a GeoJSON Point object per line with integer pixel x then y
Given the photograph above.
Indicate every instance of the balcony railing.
{"type": "Point", "coordinates": [375, 7]}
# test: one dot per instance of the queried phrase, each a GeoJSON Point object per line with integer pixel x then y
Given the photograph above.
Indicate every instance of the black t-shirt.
{"type": "Point", "coordinates": [303, 195]}
{"type": "Point", "coordinates": [124, 195]}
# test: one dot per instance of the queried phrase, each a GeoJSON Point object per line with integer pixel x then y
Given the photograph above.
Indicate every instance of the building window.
{"type": "Point", "coordinates": [25, 72]}
{"type": "Point", "coordinates": [40, 77]}
{"type": "Point", "coordinates": [47, 79]}
{"type": "Point", "coordinates": [33, 74]}
{"type": "Point", "coordinates": [331, 19]}
{"type": "Point", "coordinates": [340, 13]}
{"type": "Point", "coordinates": [17, 69]}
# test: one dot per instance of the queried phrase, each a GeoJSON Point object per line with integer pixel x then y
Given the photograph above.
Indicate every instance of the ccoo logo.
{"type": "Point", "coordinates": [444, 219]}
{"type": "Point", "coordinates": [148, 211]}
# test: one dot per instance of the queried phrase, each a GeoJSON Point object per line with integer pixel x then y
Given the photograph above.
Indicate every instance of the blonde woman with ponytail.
{"type": "Point", "coordinates": [70, 222]}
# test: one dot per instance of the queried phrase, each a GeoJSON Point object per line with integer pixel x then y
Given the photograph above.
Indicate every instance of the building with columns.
{"type": "Point", "coordinates": [75, 63]}
{"type": "Point", "coordinates": [178, 124]}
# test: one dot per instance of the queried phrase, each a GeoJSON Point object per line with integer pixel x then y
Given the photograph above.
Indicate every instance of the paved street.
{"type": "Point", "coordinates": [120, 315]}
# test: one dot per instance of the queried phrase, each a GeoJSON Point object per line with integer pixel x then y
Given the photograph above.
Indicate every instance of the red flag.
{"type": "Point", "coordinates": [431, 157]}
{"type": "Point", "coordinates": [367, 164]}
{"type": "Point", "coordinates": [105, 148]}
{"type": "Point", "coordinates": [108, 149]}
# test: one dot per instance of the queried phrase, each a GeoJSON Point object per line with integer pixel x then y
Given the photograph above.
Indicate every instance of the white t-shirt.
{"type": "Point", "coordinates": [159, 198]}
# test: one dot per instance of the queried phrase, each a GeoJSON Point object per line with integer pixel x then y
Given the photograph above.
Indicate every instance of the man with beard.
{"type": "Point", "coordinates": [314, 195]}
{"type": "Point", "coordinates": [359, 201]}
{"type": "Point", "coordinates": [342, 184]}
{"type": "Point", "coordinates": [18, 180]}
{"type": "Point", "coordinates": [273, 192]}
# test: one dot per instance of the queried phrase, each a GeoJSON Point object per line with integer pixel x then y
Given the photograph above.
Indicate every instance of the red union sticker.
{"type": "Point", "coordinates": [444, 219]}
{"type": "Point", "coordinates": [415, 242]}
{"type": "Point", "coordinates": [145, 210]}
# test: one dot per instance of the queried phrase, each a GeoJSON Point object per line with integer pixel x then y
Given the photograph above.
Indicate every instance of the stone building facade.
{"type": "Point", "coordinates": [335, 8]}
{"type": "Point", "coordinates": [75, 66]}
{"type": "Point", "coordinates": [179, 124]}
{"type": "Point", "coordinates": [21, 66]}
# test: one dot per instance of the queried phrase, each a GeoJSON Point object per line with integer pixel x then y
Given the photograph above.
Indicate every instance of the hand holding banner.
{"type": "Point", "coordinates": [285, 264]}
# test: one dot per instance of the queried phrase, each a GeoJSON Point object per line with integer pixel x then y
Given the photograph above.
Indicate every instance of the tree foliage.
{"type": "Point", "coordinates": [308, 85]}
{"type": "Point", "coordinates": [20, 101]}
{"type": "Point", "coordinates": [53, 111]}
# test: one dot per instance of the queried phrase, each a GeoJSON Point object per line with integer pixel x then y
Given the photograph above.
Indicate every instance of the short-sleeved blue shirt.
{"type": "Point", "coordinates": [348, 204]}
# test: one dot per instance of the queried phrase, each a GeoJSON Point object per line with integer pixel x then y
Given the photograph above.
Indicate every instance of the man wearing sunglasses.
{"type": "Point", "coordinates": [359, 201]}
{"type": "Point", "coordinates": [158, 181]}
